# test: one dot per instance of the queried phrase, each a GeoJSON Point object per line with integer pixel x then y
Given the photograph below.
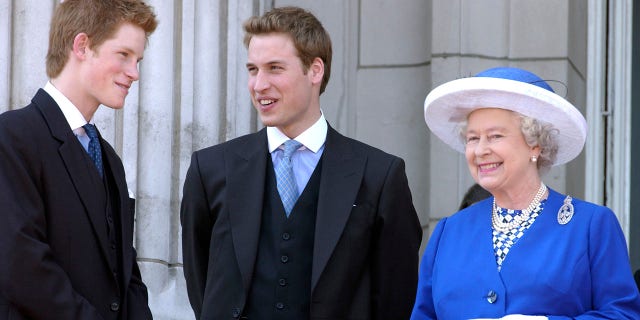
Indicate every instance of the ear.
{"type": "Point", "coordinates": [535, 151]}
{"type": "Point", "coordinates": [81, 45]}
{"type": "Point", "coordinates": [316, 70]}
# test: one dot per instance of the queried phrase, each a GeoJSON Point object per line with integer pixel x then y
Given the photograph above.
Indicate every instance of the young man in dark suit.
{"type": "Point", "coordinates": [66, 237]}
{"type": "Point", "coordinates": [297, 221]}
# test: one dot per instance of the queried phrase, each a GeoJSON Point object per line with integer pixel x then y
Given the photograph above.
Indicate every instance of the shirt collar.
{"type": "Point", "coordinates": [71, 113]}
{"type": "Point", "coordinates": [313, 138]}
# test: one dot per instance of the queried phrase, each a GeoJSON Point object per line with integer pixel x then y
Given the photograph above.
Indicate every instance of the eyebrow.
{"type": "Point", "coordinates": [490, 129]}
{"type": "Point", "coordinates": [267, 63]}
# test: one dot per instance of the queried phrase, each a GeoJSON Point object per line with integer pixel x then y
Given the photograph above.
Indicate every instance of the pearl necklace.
{"type": "Point", "coordinates": [504, 227]}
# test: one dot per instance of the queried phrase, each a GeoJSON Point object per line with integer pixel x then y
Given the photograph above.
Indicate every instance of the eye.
{"type": "Point", "coordinates": [276, 68]}
{"type": "Point", "coordinates": [252, 69]}
{"type": "Point", "coordinates": [494, 137]}
{"type": "Point", "coordinates": [124, 54]}
{"type": "Point", "coordinates": [472, 139]}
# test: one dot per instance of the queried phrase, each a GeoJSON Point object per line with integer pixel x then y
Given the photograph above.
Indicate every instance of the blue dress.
{"type": "Point", "coordinates": [577, 270]}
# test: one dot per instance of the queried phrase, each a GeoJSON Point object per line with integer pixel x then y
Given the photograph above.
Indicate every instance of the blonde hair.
{"type": "Point", "coordinates": [309, 36]}
{"type": "Point", "coordinates": [99, 19]}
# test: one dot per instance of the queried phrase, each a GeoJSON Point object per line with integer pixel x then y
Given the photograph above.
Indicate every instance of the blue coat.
{"type": "Point", "coordinates": [580, 269]}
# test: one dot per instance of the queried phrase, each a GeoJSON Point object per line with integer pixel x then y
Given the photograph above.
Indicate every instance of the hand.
{"type": "Point", "coordinates": [515, 317]}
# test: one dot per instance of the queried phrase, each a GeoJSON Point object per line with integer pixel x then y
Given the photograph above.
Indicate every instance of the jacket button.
{"type": "Point", "coordinates": [284, 259]}
{"type": "Point", "coordinates": [286, 236]}
{"type": "Point", "coordinates": [492, 296]}
{"type": "Point", "coordinates": [279, 305]}
{"type": "Point", "coordinates": [235, 313]}
{"type": "Point", "coordinates": [115, 306]}
{"type": "Point", "coordinates": [282, 282]}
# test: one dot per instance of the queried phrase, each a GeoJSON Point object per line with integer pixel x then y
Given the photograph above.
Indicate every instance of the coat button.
{"type": "Point", "coordinates": [284, 259]}
{"type": "Point", "coordinates": [235, 313]}
{"type": "Point", "coordinates": [286, 236]}
{"type": "Point", "coordinates": [492, 296]}
{"type": "Point", "coordinates": [115, 306]}
{"type": "Point", "coordinates": [282, 282]}
{"type": "Point", "coordinates": [279, 305]}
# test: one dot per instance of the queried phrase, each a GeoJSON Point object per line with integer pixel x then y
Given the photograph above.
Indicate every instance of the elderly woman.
{"type": "Point", "coordinates": [527, 251]}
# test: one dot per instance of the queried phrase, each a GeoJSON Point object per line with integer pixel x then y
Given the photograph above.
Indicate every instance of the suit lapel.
{"type": "Point", "coordinates": [74, 159]}
{"type": "Point", "coordinates": [116, 169]}
{"type": "Point", "coordinates": [342, 172]}
{"type": "Point", "coordinates": [246, 170]}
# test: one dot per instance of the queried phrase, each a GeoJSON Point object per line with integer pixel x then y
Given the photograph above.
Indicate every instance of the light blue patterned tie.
{"type": "Point", "coordinates": [285, 177]}
{"type": "Point", "coordinates": [94, 150]}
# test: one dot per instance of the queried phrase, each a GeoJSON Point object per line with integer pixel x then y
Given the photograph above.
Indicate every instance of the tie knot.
{"type": "Point", "coordinates": [290, 146]}
{"type": "Point", "coordinates": [91, 131]}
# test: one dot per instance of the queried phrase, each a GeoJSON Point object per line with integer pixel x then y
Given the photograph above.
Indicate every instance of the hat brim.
{"type": "Point", "coordinates": [448, 105]}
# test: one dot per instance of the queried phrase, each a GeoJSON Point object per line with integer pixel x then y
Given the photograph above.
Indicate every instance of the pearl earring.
{"type": "Point", "coordinates": [534, 159]}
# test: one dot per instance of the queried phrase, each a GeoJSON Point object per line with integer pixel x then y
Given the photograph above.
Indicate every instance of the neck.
{"type": "Point", "coordinates": [521, 199]}
{"type": "Point", "coordinates": [71, 90]}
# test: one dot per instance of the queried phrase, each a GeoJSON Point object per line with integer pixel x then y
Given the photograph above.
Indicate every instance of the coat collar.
{"type": "Point", "coordinates": [340, 179]}
{"type": "Point", "coordinates": [245, 174]}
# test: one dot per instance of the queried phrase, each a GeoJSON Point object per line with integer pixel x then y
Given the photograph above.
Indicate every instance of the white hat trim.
{"type": "Point", "coordinates": [450, 103]}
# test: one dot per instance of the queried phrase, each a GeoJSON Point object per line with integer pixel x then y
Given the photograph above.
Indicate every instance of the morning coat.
{"type": "Point", "coordinates": [56, 256]}
{"type": "Point", "coordinates": [367, 234]}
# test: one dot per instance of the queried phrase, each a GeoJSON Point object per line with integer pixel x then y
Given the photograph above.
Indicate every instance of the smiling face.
{"type": "Point", "coordinates": [497, 154]}
{"type": "Point", "coordinates": [285, 95]}
{"type": "Point", "coordinates": [111, 68]}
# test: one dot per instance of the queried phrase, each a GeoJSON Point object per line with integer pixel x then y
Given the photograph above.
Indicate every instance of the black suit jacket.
{"type": "Point", "coordinates": [367, 236]}
{"type": "Point", "coordinates": [53, 236]}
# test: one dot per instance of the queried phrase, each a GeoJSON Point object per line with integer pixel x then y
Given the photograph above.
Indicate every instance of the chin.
{"type": "Point", "coordinates": [116, 106]}
{"type": "Point", "coordinates": [267, 122]}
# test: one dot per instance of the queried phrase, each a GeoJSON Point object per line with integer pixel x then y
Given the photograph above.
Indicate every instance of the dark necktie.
{"type": "Point", "coordinates": [285, 177]}
{"type": "Point", "coordinates": [94, 150]}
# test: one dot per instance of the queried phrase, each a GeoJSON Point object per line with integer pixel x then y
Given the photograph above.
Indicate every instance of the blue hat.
{"type": "Point", "coordinates": [448, 105]}
{"type": "Point", "coordinates": [515, 74]}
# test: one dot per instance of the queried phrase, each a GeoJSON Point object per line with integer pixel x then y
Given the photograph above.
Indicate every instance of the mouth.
{"type": "Point", "coordinates": [125, 87]}
{"type": "Point", "coordinates": [488, 167]}
{"type": "Point", "coordinates": [266, 102]}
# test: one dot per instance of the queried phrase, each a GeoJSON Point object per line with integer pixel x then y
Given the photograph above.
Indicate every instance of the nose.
{"type": "Point", "coordinates": [259, 82]}
{"type": "Point", "coordinates": [482, 147]}
{"type": "Point", "coordinates": [132, 71]}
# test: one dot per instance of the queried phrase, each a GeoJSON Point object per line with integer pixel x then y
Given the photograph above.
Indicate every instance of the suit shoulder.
{"type": "Point", "coordinates": [585, 207]}
{"type": "Point", "coordinates": [19, 117]}
{"type": "Point", "coordinates": [373, 152]}
{"type": "Point", "coordinates": [20, 122]}
{"type": "Point", "coordinates": [585, 214]}
{"type": "Point", "coordinates": [235, 143]}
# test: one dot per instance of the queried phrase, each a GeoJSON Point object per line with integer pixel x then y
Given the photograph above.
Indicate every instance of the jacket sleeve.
{"type": "Point", "coordinates": [137, 295]}
{"type": "Point", "coordinates": [30, 278]}
{"type": "Point", "coordinates": [424, 308]}
{"type": "Point", "coordinates": [399, 233]}
{"type": "Point", "coordinates": [196, 235]}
